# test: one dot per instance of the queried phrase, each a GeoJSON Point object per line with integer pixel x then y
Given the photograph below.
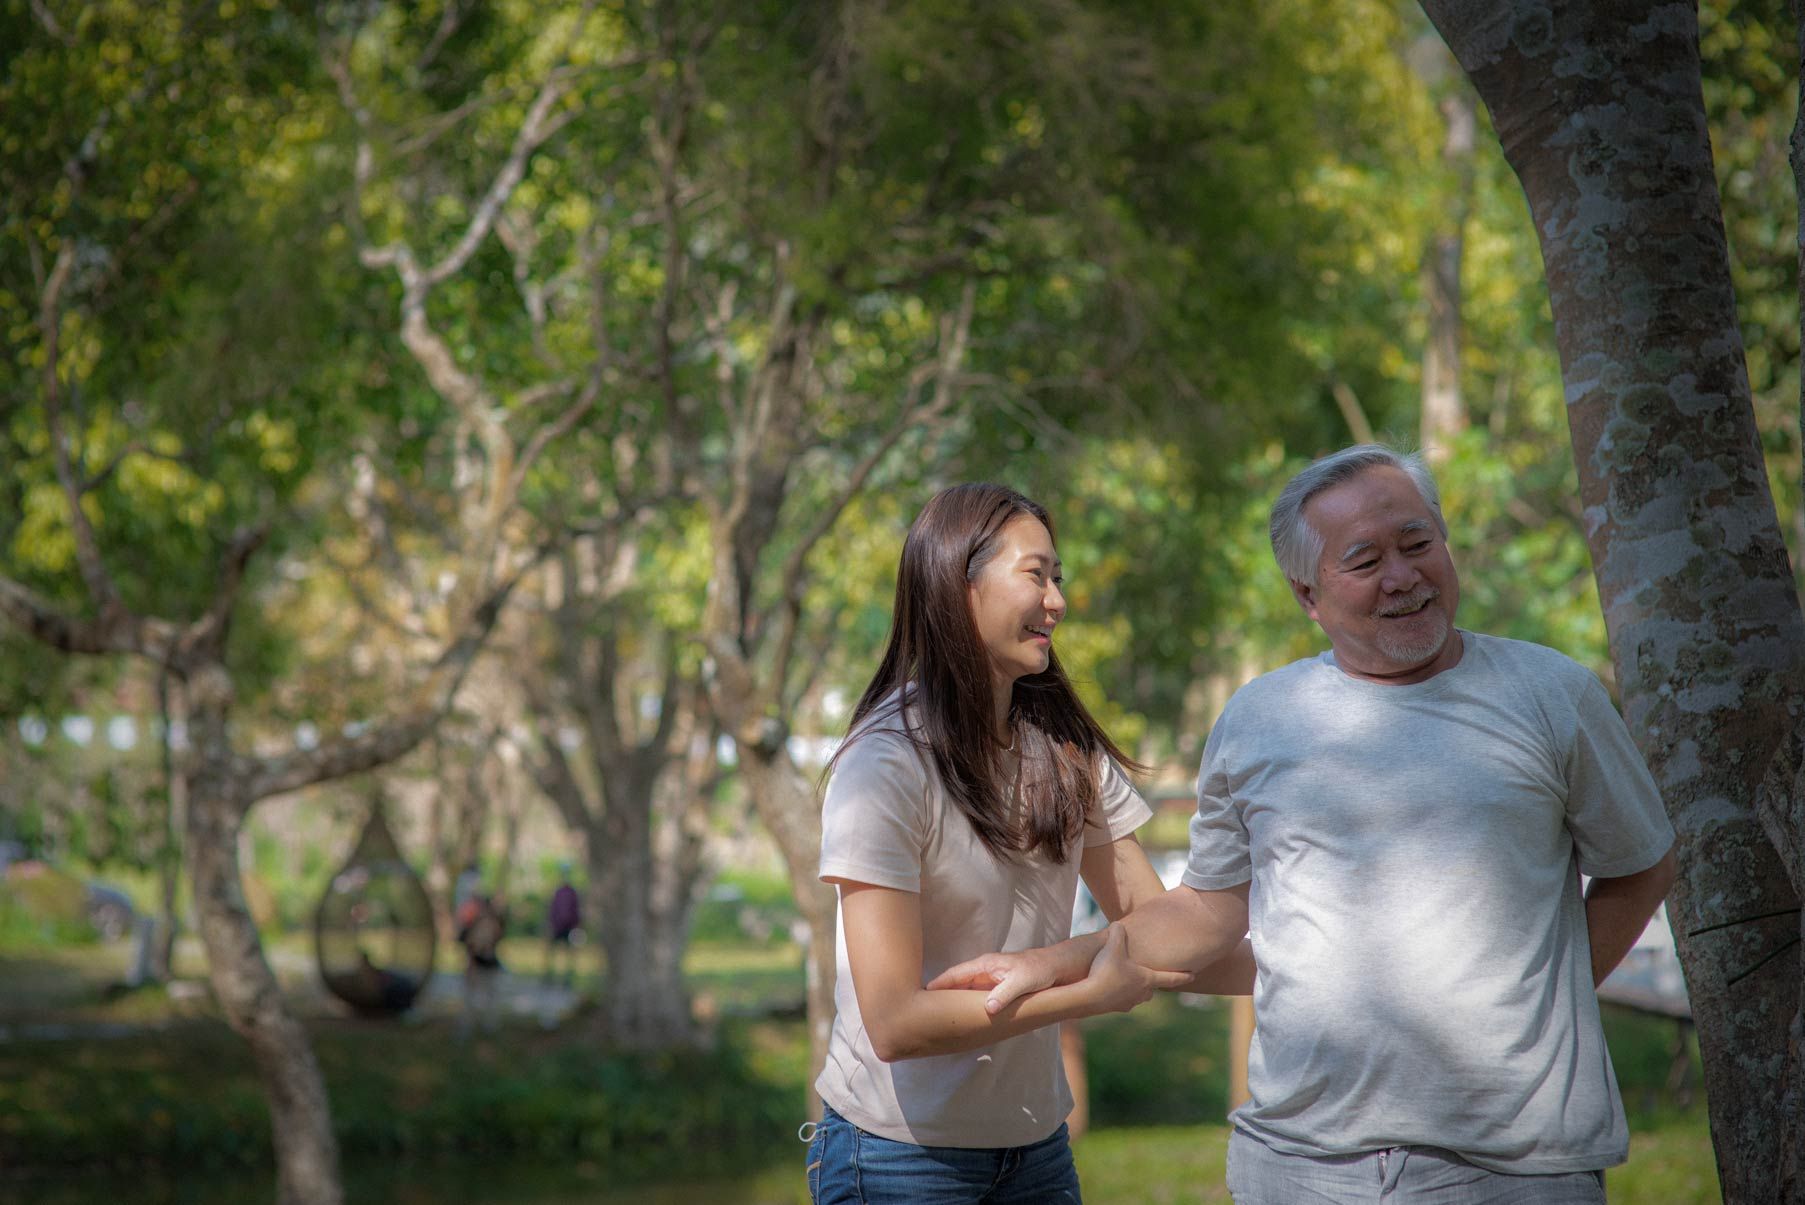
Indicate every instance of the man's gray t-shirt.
{"type": "Point", "coordinates": [1424, 974]}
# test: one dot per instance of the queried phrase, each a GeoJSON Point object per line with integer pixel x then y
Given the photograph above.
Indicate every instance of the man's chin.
{"type": "Point", "coordinates": [1414, 654]}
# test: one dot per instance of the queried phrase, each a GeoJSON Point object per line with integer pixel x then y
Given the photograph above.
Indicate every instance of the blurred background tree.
{"type": "Point", "coordinates": [683, 311]}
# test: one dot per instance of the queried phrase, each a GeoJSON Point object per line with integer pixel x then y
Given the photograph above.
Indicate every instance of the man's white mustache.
{"type": "Point", "coordinates": [1405, 606]}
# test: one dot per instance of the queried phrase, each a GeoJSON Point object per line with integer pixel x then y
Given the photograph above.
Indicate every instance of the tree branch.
{"type": "Point", "coordinates": [87, 547]}
{"type": "Point", "coordinates": [118, 631]}
{"type": "Point", "coordinates": [955, 333]}
{"type": "Point", "coordinates": [538, 126]}
{"type": "Point", "coordinates": [211, 630]}
{"type": "Point", "coordinates": [556, 429]}
{"type": "Point", "coordinates": [1351, 411]}
{"type": "Point", "coordinates": [386, 741]}
{"type": "Point", "coordinates": [552, 773]}
{"type": "Point", "coordinates": [47, 19]}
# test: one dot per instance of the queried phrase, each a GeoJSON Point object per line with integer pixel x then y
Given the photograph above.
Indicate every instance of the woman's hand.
{"type": "Point", "coordinates": [1008, 976]}
{"type": "Point", "coordinates": [1117, 983]}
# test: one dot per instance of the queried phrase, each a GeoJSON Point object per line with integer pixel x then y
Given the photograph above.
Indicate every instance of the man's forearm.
{"type": "Point", "coordinates": [1618, 909]}
{"type": "Point", "coordinates": [1187, 929]}
{"type": "Point", "coordinates": [1073, 956]}
{"type": "Point", "coordinates": [1231, 975]}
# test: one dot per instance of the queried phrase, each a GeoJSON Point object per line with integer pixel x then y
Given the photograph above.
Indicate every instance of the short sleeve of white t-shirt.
{"type": "Point", "coordinates": [874, 818]}
{"type": "Point", "coordinates": [885, 821]}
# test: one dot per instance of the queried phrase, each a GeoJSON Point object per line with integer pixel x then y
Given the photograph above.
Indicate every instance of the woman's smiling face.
{"type": "Point", "coordinates": [1016, 601]}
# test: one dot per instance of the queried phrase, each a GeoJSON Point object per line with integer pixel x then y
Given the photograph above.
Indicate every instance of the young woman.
{"type": "Point", "coordinates": [972, 791]}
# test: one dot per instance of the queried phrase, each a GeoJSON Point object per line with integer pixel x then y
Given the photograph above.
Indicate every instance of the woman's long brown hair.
{"type": "Point", "coordinates": [936, 670]}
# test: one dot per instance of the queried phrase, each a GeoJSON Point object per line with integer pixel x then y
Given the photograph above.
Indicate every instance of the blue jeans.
{"type": "Point", "coordinates": [1401, 1175]}
{"type": "Point", "coordinates": [849, 1166]}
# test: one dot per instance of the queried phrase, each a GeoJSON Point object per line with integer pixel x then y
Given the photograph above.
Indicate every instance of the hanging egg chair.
{"type": "Point", "coordinates": [373, 933]}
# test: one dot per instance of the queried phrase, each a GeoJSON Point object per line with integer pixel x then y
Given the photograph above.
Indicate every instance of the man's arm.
{"type": "Point", "coordinates": [1122, 879]}
{"type": "Point", "coordinates": [1618, 909]}
{"type": "Point", "coordinates": [1231, 975]}
{"type": "Point", "coordinates": [1187, 929]}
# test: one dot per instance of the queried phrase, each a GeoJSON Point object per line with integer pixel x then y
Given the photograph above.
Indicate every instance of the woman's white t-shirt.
{"type": "Point", "coordinates": [886, 821]}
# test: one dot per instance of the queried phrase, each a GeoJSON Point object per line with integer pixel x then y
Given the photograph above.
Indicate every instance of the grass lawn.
{"type": "Point", "coordinates": [537, 1117]}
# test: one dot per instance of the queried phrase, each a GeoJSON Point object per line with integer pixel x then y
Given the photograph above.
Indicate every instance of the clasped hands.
{"type": "Point", "coordinates": [1114, 982]}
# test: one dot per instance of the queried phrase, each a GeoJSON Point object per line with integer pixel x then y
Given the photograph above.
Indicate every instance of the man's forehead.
{"type": "Point", "coordinates": [1384, 498]}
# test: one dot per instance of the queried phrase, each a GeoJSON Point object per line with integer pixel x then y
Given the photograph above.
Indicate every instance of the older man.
{"type": "Point", "coordinates": [1400, 824]}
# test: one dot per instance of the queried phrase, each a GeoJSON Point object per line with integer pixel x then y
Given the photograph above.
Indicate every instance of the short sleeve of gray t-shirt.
{"type": "Point", "coordinates": [1414, 851]}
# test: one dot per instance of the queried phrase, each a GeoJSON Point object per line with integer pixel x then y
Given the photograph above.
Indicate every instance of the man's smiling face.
{"type": "Point", "coordinates": [1386, 590]}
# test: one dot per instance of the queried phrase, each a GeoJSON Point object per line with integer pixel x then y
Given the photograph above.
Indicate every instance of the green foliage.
{"type": "Point", "coordinates": [1158, 1085]}
{"type": "Point", "coordinates": [1164, 1064]}
{"type": "Point", "coordinates": [45, 910]}
{"type": "Point", "coordinates": [742, 907]}
{"type": "Point", "coordinates": [394, 1093]}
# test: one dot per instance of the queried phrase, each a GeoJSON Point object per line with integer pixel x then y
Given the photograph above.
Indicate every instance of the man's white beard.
{"type": "Point", "coordinates": [1395, 645]}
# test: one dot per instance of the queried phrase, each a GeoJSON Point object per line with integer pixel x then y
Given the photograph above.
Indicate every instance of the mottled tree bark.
{"type": "Point", "coordinates": [1444, 413]}
{"type": "Point", "coordinates": [789, 809]}
{"type": "Point", "coordinates": [1784, 797]}
{"type": "Point", "coordinates": [243, 983]}
{"type": "Point", "coordinates": [1600, 112]}
{"type": "Point", "coordinates": [221, 785]}
{"type": "Point", "coordinates": [641, 814]}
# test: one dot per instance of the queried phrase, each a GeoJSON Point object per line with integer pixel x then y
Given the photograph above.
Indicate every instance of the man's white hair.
{"type": "Point", "coordinates": [1296, 544]}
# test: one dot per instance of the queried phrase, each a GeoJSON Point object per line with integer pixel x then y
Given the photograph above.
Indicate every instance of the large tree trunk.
{"type": "Point", "coordinates": [1784, 813]}
{"type": "Point", "coordinates": [300, 1118]}
{"type": "Point", "coordinates": [642, 819]}
{"type": "Point", "coordinates": [645, 1003]}
{"type": "Point", "coordinates": [1600, 112]}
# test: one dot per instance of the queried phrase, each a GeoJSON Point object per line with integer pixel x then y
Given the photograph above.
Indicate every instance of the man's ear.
{"type": "Point", "coordinates": [1305, 596]}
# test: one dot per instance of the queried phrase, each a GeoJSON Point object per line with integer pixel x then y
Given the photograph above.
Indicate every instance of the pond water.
{"type": "Point", "coordinates": [471, 1182]}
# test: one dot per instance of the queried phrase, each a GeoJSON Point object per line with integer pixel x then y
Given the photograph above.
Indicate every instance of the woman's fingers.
{"type": "Point", "coordinates": [974, 974]}
{"type": "Point", "coordinates": [1126, 983]}
{"type": "Point", "coordinates": [1010, 988]}
{"type": "Point", "coordinates": [1169, 981]}
{"type": "Point", "coordinates": [1007, 977]}
{"type": "Point", "coordinates": [1021, 975]}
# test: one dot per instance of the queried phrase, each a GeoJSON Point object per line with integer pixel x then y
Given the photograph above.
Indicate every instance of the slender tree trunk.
{"type": "Point", "coordinates": [307, 1167]}
{"type": "Point", "coordinates": [513, 814]}
{"type": "Point", "coordinates": [1796, 154]}
{"type": "Point", "coordinates": [441, 872]}
{"type": "Point", "coordinates": [681, 846]}
{"type": "Point", "coordinates": [1444, 414]}
{"type": "Point", "coordinates": [300, 1118]}
{"type": "Point", "coordinates": [1600, 112]}
{"type": "Point", "coordinates": [169, 857]}
{"type": "Point", "coordinates": [787, 807]}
